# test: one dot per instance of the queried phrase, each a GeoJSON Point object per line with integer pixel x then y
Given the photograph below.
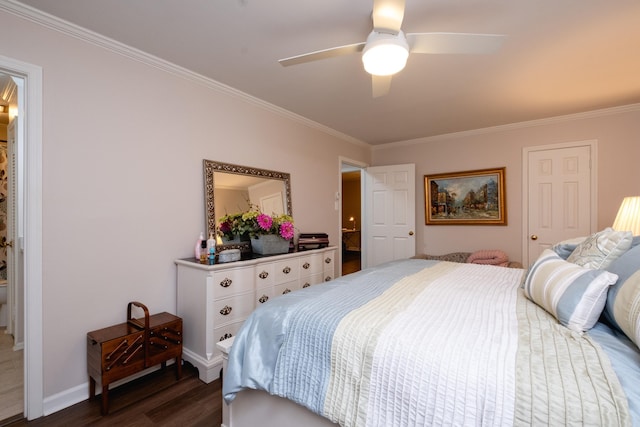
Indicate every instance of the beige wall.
{"type": "Point", "coordinates": [616, 131]}
{"type": "Point", "coordinates": [123, 144]}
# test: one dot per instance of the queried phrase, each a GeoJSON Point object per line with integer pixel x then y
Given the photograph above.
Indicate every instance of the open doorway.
{"type": "Point", "coordinates": [351, 233]}
{"type": "Point", "coordinates": [27, 240]}
{"type": "Point", "coordinates": [11, 281]}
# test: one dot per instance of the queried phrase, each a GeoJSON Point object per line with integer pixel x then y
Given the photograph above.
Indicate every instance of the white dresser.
{"type": "Point", "coordinates": [214, 300]}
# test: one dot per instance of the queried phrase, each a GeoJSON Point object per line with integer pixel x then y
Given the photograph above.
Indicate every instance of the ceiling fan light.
{"type": "Point", "coordinates": [385, 54]}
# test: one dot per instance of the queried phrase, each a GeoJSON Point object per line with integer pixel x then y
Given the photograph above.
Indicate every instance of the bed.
{"type": "Point", "coordinates": [425, 342]}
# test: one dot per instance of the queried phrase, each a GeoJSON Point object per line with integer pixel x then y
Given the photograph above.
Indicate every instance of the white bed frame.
{"type": "Point", "coordinates": [253, 408]}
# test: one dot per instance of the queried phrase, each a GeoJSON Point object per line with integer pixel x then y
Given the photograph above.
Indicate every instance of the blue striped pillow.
{"type": "Point", "coordinates": [623, 301]}
{"type": "Point", "coordinates": [575, 295]}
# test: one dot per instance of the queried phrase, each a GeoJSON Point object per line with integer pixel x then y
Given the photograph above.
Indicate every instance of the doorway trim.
{"type": "Point", "coordinates": [593, 145]}
{"type": "Point", "coordinates": [32, 240]}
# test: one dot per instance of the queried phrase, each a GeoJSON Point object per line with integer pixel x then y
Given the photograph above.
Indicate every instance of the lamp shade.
{"type": "Point", "coordinates": [385, 54]}
{"type": "Point", "coordinates": [628, 218]}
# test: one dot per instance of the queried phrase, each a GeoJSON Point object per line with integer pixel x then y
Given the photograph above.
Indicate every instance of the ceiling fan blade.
{"type": "Point", "coordinates": [380, 85]}
{"type": "Point", "coordinates": [387, 15]}
{"type": "Point", "coordinates": [454, 42]}
{"type": "Point", "coordinates": [322, 54]}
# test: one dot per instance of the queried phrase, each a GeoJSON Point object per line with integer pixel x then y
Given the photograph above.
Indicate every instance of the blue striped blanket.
{"type": "Point", "coordinates": [417, 342]}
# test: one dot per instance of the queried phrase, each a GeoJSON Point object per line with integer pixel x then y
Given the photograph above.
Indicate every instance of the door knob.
{"type": "Point", "coordinates": [411, 233]}
{"type": "Point", "coordinates": [534, 237]}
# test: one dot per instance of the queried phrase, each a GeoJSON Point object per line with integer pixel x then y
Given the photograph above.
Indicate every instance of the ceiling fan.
{"type": "Point", "coordinates": [387, 47]}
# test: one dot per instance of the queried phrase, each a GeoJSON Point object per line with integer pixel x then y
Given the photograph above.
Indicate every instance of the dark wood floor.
{"type": "Point", "coordinates": [156, 399]}
{"type": "Point", "coordinates": [350, 262]}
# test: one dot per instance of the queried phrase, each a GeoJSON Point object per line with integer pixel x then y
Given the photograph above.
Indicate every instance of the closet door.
{"type": "Point", "coordinates": [559, 196]}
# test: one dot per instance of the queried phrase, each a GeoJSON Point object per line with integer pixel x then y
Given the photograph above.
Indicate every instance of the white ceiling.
{"type": "Point", "coordinates": [560, 57]}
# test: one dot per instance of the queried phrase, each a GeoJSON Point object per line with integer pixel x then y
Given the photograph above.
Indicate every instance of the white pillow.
{"type": "Point", "coordinates": [575, 295]}
{"type": "Point", "coordinates": [600, 249]}
{"type": "Point", "coordinates": [566, 247]}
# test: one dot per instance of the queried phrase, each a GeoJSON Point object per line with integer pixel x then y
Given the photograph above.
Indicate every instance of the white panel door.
{"type": "Point", "coordinates": [389, 214]}
{"type": "Point", "coordinates": [559, 197]}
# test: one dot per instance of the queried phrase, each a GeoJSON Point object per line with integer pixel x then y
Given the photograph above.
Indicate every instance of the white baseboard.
{"type": "Point", "coordinates": [77, 394]}
{"type": "Point", "coordinates": [65, 398]}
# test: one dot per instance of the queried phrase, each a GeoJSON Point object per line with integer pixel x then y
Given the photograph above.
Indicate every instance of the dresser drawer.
{"type": "Point", "coordinates": [264, 295]}
{"type": "Point", "coordinates": [234, 308]}
{"type": "Point", "coordinates": [286, 270]}
{"type": "Point", "coordinates": [223, 332]}
{"type": "Point", "coordinates": [285, 288]}
{"type": "Point", "coordinates": [232, 281]}
{"type": "Point", "coordinates": [314, 279]}
{"type": "Point", "coordinates": [264, 275]}
{"type": "Point", "coordinates": [310, 265]}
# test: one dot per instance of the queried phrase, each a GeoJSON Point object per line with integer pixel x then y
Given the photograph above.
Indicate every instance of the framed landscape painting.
{"type": "Point", "coordinates": [466, 198]}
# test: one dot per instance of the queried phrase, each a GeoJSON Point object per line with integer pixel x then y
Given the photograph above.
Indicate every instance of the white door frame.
{"type": "Point", "coordinates": [32, 241]}
{"type": "Point", "coordinates": [593, 144]}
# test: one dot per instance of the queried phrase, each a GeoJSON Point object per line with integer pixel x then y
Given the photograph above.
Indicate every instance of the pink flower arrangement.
{"type": "Point", "coordinates": [259, 223]}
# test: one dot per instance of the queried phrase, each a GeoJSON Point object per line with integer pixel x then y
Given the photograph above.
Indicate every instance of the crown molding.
{"type": "Point", "coordinates": [512, 126]}
{"type": "Point", "coordinates": [54, 23]}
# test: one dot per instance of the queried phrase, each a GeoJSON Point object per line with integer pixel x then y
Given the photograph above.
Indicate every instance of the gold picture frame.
{"type": "Point", "coordinates": [476, 197]}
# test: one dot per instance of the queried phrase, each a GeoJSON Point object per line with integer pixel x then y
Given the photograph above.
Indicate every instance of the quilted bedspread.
{"type": "Point", "coordinates": [417, 343]}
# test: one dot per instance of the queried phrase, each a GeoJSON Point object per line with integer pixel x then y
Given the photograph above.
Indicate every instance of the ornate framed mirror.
{"type": "Point", "coordinates": [230, 188]}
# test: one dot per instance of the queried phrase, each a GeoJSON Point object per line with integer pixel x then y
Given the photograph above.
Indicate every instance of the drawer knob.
{"type": "Point", "coordinates": [306, 285]}
{"type": "Point", "coordinates": [226, 282]}
{"type": "Point", "coordinates": [286, 270]}
{"type": "Point", "coordinates": [327, 260]}
{"type": "Point", "coordinates": [286, 291]}
{"type": "Point", "coordinates": [306, 265]}
{"type": "Point", "coordinates": [225, 336]}
{"type": "Point", "coordinates": [225, 310]}
{"type": "Point", "coordinates": [263, 299]}
{"type": "Point", "coordinates": [263, 275]}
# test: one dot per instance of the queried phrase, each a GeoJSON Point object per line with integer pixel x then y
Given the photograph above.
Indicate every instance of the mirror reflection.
{"type": "Point", "coordinates": [237, 193]}
{"type": "Point", "coordinates": [232, 188]}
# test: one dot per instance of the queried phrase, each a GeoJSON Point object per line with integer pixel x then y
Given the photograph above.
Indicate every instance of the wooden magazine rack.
{"type": "Point", "coordinates": [128, 348]}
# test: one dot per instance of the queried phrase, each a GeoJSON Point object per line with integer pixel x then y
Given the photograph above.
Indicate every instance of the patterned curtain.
{"type": "Point", "coordinates": [4, 192]}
